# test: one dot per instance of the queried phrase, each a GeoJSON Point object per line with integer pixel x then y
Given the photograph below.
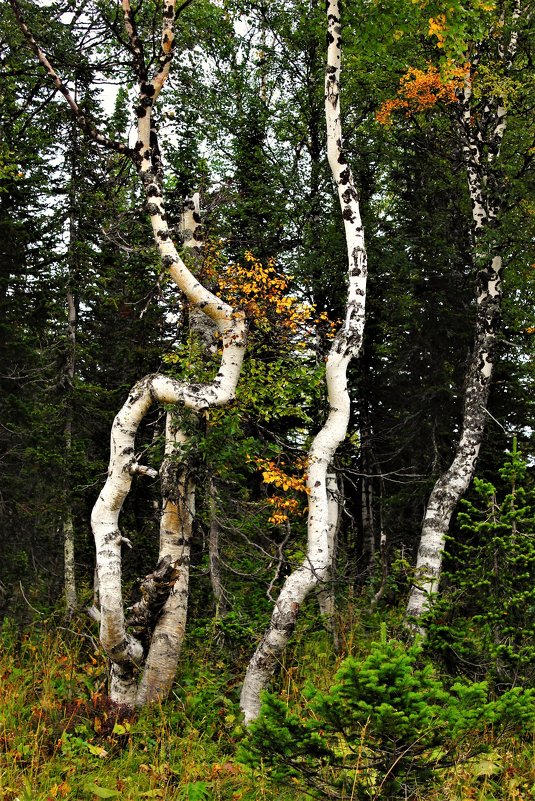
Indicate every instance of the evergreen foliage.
{"type": "Point", "coordinates": [385, 728]}
{"type": "Point", "coordinates": [483, 623]}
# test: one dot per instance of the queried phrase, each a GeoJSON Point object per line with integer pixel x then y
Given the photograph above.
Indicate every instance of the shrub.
{"type": "Point", "coordinates": [384, 728]}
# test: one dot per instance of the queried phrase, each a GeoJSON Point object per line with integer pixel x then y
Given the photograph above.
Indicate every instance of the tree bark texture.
{"type": "Point", "coordinates": [125, 650]}
{"type": "Point", "coordinates": [482, 126]}
{"type": "Point", "coordinates": [69, 579]}
{"type": "Point", "coordinates": [346, 345]}
{"type": "Point", "coordinates": [178, 504]}
{"type": "Point", "coordinates": [176, 525]}
{"type": "Point", "coordinates": [326, 591]}
{"type": "Point", "coordinates": [68, 388]}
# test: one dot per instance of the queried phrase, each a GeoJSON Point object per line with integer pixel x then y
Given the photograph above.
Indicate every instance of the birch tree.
{"type": "Point", "coordinates": [128, 651]}
{"type": "Point", "coordinates": [346, 346]}
{"type": "Point", "coordinates": [481, 119]}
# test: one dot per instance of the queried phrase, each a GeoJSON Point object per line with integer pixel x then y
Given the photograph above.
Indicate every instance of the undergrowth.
{"type": "Point", "coordinates": [61, 738]}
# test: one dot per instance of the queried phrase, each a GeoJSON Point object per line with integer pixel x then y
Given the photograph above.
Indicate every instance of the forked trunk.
{"type": "Point", "coordinates": [125, 650]}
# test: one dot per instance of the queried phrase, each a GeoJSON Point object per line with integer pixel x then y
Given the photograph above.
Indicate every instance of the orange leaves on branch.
{"type": "Point", "coordinates": [263, 294]}
{"type": "Point", "coordinates": [420, 90]}
{"type": "Point", "coordinates": [277, 476]}
{"type": "Point", "coordinates": [437, 27]}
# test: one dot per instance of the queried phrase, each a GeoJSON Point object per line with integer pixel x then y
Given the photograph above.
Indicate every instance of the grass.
{"type": "Point", "coordinates": [60, 737]}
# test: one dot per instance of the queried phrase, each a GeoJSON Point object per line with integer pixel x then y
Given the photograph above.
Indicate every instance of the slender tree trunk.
{"type": "Point", "coordinates": [346, 345]}
{"type": "Point", "coordinates": [68, 522]}
{"type": "Point", "coordinates": [69, 373]}
{"type": "Point", "coordinates": [176, 524]}
{"type": "Point", "coordinates": [216, 577]}
{"type": "Point", "coordinates": [326, 592]}
{"type": "Point", "coordinates": [481, 145]}
{"type": "Point", "coordinates": [178, 504]}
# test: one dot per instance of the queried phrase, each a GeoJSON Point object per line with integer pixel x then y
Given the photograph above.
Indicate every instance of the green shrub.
{"type": "Point", "coordinates": [483, 623]}
{"type": "Point", "coordinates": [384, 728]}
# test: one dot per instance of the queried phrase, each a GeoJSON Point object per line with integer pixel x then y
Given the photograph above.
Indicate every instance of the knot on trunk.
{"type": "Point", "coordinates": [155, 590]}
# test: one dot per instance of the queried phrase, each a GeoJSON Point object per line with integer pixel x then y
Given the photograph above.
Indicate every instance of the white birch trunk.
{"type": "Point", "coordinates": [326, 593]}
{"type": "Point", "coordinates": [124, 650]}
{"type": "Point", "coordinates": [178, 494]}
{"type": "Point", "coordinates": [481, 146]}
{"type": "Point", "coordinates": [178, 505]}
{"type": "Point", "coordinates": [346, 345]}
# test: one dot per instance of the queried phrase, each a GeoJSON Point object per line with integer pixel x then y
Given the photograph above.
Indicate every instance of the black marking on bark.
{"type": "Point", "coordinates": [140, 112]}
{"type": "Point", "coordinates": [111, 536]}
{"type": "Point", "coordinates": [119, 648]}
{"type": "Point", "coordinates": [350, 194]}
{"type": "Point", "coordinates": [147, 89]}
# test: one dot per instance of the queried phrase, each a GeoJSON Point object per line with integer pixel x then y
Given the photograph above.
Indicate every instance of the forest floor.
{"type": "Point", "coordinates": [60, 738]}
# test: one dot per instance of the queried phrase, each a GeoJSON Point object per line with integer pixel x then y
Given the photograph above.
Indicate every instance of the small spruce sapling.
{"type": "Point", "coordinates": [484, 623]}
{"type": "Point", "coordinates": [384, 728]}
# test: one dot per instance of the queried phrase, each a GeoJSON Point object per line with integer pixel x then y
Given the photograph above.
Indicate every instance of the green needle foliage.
{"type": "Point", "coordinates": [384, 728]}
{"type": "Point", "coordinates": [484, 623]}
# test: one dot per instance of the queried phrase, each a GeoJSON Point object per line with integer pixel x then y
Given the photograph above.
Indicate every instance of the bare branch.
{"type": "Point", "coordinates": [83, 121]}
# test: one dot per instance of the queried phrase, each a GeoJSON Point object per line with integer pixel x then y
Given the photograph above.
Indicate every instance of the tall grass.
{"type": "Point", "coordinates": [61, 738]}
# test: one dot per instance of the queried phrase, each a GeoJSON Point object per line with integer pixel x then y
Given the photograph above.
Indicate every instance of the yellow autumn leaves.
{"type": "Point", "coordinates": [273, 473]}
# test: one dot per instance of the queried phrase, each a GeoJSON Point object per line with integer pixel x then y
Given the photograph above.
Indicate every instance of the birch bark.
{"type": "Point", "coordinates": [125, 650]}
{"type": "Point", "coordinates": [68, 522]}
{"type": "Point", "coordinates": [178, 503]}
{"type": "Point", "coordinates": [482, 126]}
{"type": "Point", "coordinates": [176, 526]}
{"type": "Point", "coordinates": [346, 345]}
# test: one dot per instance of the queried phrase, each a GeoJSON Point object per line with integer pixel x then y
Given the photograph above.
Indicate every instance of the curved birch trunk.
{"type": "Point", "coordinates": [178, 510]}
{"type": "Point", "coordinates": [326, 593]}
{"type": "Point", "coordinates": [346, 346]}
{"type": "Point", "coordinates": [124, 649]}
{"type": "Point", "coordinates": [481, 148]}
{"type": "Point", "coordinates": [176, 524]}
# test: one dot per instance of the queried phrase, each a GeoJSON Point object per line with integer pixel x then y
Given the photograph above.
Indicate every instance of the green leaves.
{"type": "Point", "coordinates": [486, 612]}
{"type": "Point", "coordinates": [387, 720]}
{"type": "Point", "coordinates": [101, 792]}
